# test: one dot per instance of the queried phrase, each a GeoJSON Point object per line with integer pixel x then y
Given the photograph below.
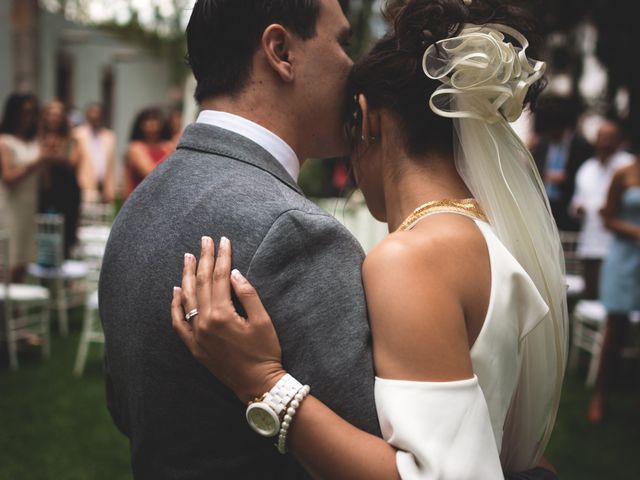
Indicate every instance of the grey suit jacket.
{"type": "Point", "coordinates": [181, 421]}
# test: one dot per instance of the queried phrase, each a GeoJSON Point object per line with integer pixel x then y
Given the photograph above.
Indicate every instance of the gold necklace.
{"type": "Point", "coordinates": [466, 206]}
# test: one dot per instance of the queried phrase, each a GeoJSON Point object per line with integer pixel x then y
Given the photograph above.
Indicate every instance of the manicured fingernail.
{"type": "Point", "coordinates": [224, 242]}
{"type": "Point", "coordinates": [175, 290]}
{"type": "Point", "coordinates": [187, 258]}
{"type": "Point", "coordinates": [238, 277]}
{"type": "Point", "coordinates": [205, 241]}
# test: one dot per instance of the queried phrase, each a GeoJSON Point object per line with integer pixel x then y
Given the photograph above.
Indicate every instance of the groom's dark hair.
{"type": "Point", "coordinates": [223, 35]}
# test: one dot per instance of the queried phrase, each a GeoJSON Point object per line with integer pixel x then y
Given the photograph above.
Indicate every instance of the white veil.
{"type": "Point", "coordinates": [485, 81]}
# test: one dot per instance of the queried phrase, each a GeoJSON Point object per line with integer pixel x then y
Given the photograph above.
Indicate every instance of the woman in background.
{"type": "Point", "coordinates": [620, 277]}
{"type": "Point", "coordinates": [147, 148]}
{"type": "Point", "coordinates": [59, 189]}
{"type": "Point", "coordinates": [20, 158]}
{"type": "Point", "coordinates": [174, 127]}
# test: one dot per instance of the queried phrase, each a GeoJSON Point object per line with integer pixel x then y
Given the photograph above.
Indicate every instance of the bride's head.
{"type": "Point", "coordinates": [391, 122]}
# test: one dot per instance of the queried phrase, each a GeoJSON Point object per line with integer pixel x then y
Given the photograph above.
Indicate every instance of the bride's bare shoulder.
{"type": "Point", "coordinates": [417, 283]}
{"type": "Point", "coordinates": [436, 240]}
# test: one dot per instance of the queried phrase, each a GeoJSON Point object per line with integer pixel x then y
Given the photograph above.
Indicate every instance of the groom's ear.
{"type": "Point", "coordinates": [276, 45]}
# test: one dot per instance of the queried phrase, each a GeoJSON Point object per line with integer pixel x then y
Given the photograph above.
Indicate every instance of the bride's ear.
{"type": "Point", "coordinates": [276, 45]}
{"type": "Point", "coordinates": [370, 121]}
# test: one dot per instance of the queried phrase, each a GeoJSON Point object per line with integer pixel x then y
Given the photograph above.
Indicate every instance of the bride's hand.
{"type": "Point", "coordinates": [243, 353]}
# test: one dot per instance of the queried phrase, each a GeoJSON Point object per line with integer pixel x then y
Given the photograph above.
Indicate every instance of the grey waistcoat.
{"type": "Point", "coordinates": [181, 421]}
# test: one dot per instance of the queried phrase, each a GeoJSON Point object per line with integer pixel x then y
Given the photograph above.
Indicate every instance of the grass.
{"type": "Point", "coordinates": [611, 450]}
{"type": "Point", "coordinates": [56, 426]}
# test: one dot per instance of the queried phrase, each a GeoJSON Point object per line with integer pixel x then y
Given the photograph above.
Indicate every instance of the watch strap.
{"type": "Point", "coordinates": [282, 393]}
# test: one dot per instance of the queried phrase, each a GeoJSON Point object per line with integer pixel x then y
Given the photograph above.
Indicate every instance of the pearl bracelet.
{"type": "Point", "coordinates": [288, 418]}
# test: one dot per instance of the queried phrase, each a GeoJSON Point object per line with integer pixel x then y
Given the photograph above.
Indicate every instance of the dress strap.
{"type": "Point", "coordinates": [468, 207]}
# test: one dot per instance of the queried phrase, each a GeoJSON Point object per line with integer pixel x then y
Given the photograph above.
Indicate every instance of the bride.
{"type": "Point", "coordinates": [466, 295]}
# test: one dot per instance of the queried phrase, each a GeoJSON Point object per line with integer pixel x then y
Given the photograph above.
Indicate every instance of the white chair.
{"type": "Point", "coordinates": [589, 319]}
{"type": "Point", "coordinates": [25, 309]}
{"type": "Point", "coordinates": [92, 240]}
{"type": "Point", "coordinates": [573, 266]}
{"type": "Point", "coordinates": [632, 349]}
{"type": "Point", "coordinates": [91, 333]}
{"type": "Point", "coordinates": [66, 277]}
{"type": "Point", "coordinates": [93, 212]}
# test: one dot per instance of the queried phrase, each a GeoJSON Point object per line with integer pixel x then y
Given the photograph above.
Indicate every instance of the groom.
{"type": "Point", "coordinates": [271, 83]}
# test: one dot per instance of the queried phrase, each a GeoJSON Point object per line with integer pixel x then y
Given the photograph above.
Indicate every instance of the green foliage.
{"type": "Point", "coordinates": [360, 18]}
{"type": "Point", "coordinates": [312, 177]}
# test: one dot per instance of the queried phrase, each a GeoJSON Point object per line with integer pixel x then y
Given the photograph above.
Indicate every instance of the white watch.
{"type": "Point", "coordinates": [265, 414]}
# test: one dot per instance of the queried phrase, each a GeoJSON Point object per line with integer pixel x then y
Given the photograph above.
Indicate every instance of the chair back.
{"type": "Point", "coordinates": [50, 240]}
{"type": "Point", "coordinates": [5, 279]}
{"type": "Point", "coordinates": [573, 264]}
{"type": "Point", "coordinates": [92, 241]}
{"type": "Point", "coordinates": [96, 213]}
{"type": "Point", "coordinates": [5, 273]}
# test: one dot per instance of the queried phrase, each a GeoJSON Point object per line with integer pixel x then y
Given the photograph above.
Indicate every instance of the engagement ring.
{"type": "Point", "coordinates": [190, 315]}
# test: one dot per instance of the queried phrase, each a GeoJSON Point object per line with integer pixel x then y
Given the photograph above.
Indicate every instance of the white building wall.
{"type": "Point", "coordinates": [50, 28]}
{"type": "Point", "coordinates": [6, 64]}
{"type": "Point", "coordinates": [89, 64]}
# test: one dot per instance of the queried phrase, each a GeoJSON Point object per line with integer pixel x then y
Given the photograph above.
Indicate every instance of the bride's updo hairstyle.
{"type": "Point", "coordinates": [391, 75]}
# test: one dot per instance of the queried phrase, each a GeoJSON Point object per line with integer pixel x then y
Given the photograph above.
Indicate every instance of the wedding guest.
{"type": "Point", "coordinates": [592, 184]}
{"type": "Point", "coordinates": [620, 279]}
{"type": "Point", "coordinates": [59, 189]}
{"type": "Point", "coordinates": [97, 149]}
{"type": "Point", "coordinates": [20, 159]}
{"type": "Point", "coordinates": [173, 127]}
{"type": "Point", "coordinates": [559, 152]}
{"type": "Point", "coordinates": [147, 148]}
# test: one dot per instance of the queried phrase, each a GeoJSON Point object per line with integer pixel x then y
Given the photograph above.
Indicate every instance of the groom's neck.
{"type": "Point", "coordinates": [264, 110]}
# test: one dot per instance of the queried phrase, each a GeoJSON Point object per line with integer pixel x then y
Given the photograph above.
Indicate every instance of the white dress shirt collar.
{"type": "Point", "coordinates": [268, 140]}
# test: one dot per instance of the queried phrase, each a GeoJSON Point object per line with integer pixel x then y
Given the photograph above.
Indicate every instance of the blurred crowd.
{"type": "Point", "coordinates": [594, 191]}
{"type": "Point", "coordinates": [54, 162]}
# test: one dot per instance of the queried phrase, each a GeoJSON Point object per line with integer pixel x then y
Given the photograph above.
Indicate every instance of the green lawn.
{"type": "Point", "coordinates": [55, 426]}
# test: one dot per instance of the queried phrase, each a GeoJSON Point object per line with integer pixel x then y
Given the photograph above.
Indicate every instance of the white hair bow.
{"type": "Point", "coordinates": [484, 76]}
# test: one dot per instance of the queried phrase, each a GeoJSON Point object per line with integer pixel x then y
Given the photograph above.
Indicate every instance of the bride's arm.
{"type": "Point", "coordinates": [418, 334]}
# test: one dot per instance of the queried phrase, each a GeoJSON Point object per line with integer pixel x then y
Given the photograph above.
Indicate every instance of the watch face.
{"type": "Point", "coordinates": [263, 419]}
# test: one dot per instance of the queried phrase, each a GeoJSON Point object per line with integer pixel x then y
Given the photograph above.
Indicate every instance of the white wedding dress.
{"type": "Point", "coordinates": [453, 430]}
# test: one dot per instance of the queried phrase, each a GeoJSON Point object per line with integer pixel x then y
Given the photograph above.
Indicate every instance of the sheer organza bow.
{"type": "Point", "coordinates": [484, 76]}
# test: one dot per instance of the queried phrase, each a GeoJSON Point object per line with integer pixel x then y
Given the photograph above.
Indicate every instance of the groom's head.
{"type": "Point", "coordinates": [281, 62]}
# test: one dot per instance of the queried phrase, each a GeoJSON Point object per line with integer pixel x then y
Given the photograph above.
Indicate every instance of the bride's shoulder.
{"type": "Point", "coordinates": [416, 284]}
{"type": "Point", "coordinates": [435, 241]}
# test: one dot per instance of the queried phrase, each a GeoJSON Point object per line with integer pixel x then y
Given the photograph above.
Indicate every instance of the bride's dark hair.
{"type": "Point", "coordinates": [391, 75]}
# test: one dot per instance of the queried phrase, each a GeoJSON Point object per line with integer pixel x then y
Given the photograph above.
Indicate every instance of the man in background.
{"type": "Point", "coordinates": [97, 148]}
{"type": "Point", "coordinates": [559, 153]}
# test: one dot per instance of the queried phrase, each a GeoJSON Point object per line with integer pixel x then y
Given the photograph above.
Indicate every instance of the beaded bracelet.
{"type": "Point", "coordinates": [288, 418]}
